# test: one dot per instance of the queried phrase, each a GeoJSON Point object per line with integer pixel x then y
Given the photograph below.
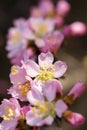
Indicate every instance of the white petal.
{"type": "Point", "coordinates": [60, 108]}
{"type": "Point", "coordinates": [31, 120]}
{"type": "Point", "coordinates": [59, 68]}
{"type": "Point", "coordinates": [32, 69]}
{"type": "Point", "coordinates": [33, 95]}
{"type": "Point", "coordinates": [45, 60]}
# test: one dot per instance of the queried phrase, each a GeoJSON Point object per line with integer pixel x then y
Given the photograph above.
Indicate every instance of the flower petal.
{"type": "Point", "coordinates": [60, 68]}
{"type": "Point", "coordinates": [32, 69]}
{"type": "Point", "coordinates": [77, 90]}
{"type": "Point", "coordinates": [50, 89]}
{"type": "Point", "coordinates": [34, 95]}
{"type": "Point", "coordinates": [45, 60]}
{"type": "Point", "coordinates": [31, 120]}
{"type": "Point", "coordinates": [60, 108]}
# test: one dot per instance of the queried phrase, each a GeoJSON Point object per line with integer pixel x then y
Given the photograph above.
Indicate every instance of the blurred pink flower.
{"type": "Point", "coordinates": [52, 41]}
{"type": "Point", "coordinates": [78, 28]}
{"type": "Point", "coordinates": [63, 8]}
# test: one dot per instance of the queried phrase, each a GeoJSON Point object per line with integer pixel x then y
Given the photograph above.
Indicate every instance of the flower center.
{"type": "Point", "coordinates": [9, 113]}
{"type": "Point", "coordinates": [14, 70]}
{"type": "Point", "coordinates": [43, 109]}
{"type": "Point", "coordinates": [15, 37]}
{"type": "Point", "coordinates": [24, 88]}
{"type": "Point", "coordinates": [45, 75]}
{"type": "Point", "coordinates": [43, 28]}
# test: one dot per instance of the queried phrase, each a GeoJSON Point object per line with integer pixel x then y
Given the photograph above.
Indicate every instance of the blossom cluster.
{"type": "Point", "coordinates": [39, 87]}
{"type": "Point", "coordinates": [44, 30]}
{"type": "Point", "coordinates": [37, 95]}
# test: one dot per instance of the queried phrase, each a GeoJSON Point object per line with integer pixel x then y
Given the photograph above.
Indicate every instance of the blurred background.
{"type": "Point", "coordinates": [74, 52]}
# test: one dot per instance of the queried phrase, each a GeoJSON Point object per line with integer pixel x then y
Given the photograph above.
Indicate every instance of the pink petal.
{"type": "Point", "coordinates": [45, 60]}
{"type": "Point", "coordinates": [18, 77]}
{"type": "Point", "coordinates": [32, 69]}
{"type": "Point", "coordinates": [39, 43]}
{"type": "Point", "coordinates": [75, 119]}
{"type": "Point", "coordinates": [6, 125]}
{"type": "Point", "coordinates": [59, 68]}
{"type": "Point", "coordinates": [50, 89]}
{"type": "Point", "coordinates": [31, 120]}
{"type": "Point", "coordinates": [60, 108]}
{"type": "Point", "coordinates": [34, 95]}
{"type": "Point", "coordinates": [25, 109]}
{"type": "Point", "coordinates": [77, 90]}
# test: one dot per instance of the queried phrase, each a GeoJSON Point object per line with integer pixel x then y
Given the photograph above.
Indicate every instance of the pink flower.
{"type": "Point", "coordinates": [40, 27]}
{"type": "Point", "coordinates": [77, 90]}
{"type": "Point", "coordinates": [74, 119]}
{"type": "Point", "coordinates": [46, 70]}
{"type": "Point", "coordinates": [74, 93]}
{"type": "Point", "coordinates": [21, 85]}
{"type": "Point", "coordinates": [10, 112]}
{"type": "Point", "coordinates": [47, 7]}
{"type": "Point", "coordinates": [18, 40]}
{"type": "Point", "coordinates": [78, 28]}
{"type": "Point", "coordinates": [45, 107]}
{"type": "Point", "coordinates": [63, 7]}
{"type": "Point", "coordinates": [52, 41]}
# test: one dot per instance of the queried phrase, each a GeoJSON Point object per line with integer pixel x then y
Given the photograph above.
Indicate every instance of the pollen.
{"type": "Point", "coordinates": [43, 109]}
{"type": "Point", "coordinates": [14, 70]}
{"type": "Point", "coordinates": [45, 75]}
{"type": "Point", "coordinates": [15, 37]}
{"type": "Point", "coordinates": [9, 113]}
{"type": "Point", "coordinates": [24, 88]}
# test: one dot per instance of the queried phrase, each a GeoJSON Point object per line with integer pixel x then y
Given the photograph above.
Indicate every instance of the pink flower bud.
{"type": "Point", "coordinates": [78, 28]}
{"type": "Point", "coordinates": [25, 109]}
{"type": "Point", "coordinates": [77, 90]}
{"type": "Point", "coordinates": [63, 7]}
{"type": "Point", "coordinates": [73, 118]}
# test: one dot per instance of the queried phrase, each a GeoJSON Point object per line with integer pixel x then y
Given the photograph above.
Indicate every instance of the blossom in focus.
{"type": "Point", "coordinates": [45, 108]}
{"type": "Point", "coordinates": [21, 85]}
{"type": "Point", "coordinates": [10, 112]}
{"type": "Point", "coordinates": [45, 69]}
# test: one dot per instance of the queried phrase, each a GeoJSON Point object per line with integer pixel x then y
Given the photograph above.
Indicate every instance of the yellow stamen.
{"type": "Point", "coordinates": [14, 70]}
{"type": "Point", "coordinates": [43, 109]}
{"type": "Point", "coordinates": [43, 28]}
{"type": "Point", "coordinates": [24, 88]}
{"type": "Point", "coordinates": [9, 113]}
{"type": "Point", "coordinates": [45, 75]}
{"type": "Point", "coordinates": [15, 37]}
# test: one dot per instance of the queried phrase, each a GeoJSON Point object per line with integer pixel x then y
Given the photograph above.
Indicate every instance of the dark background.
{"type": "Point", "coordinates": [77, 48]}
